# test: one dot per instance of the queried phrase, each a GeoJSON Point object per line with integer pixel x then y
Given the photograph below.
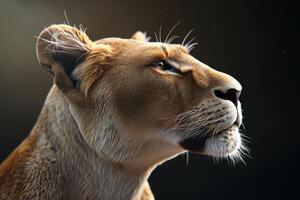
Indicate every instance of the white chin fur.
{"type": "Point", "coordinates": [228, 144]}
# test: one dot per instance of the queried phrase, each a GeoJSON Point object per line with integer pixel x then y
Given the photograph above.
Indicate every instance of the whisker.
{"type": "Point", "coordinates": [166, 39]}
{"type": "Point", "coordinates": [160, 27]}
{"type": "Point", "coordinates": [187, 158]}
{"type": "Point", "coordinates": [243, 126]}
{"type": "Point", "coordinates": [189, 42]}
{"type": "Point", "coordinates": [191, 47]}
{"type": "Point", "coordinates": [156, 36]}
{"type": "Point", "coordinates": [66, 17]}
{"type": "Point", "coordinates": [216, 130]}
{"type": "Point", "coordinates": [171, 39]}
{"type": "Point", "coordinates": [186, 36]}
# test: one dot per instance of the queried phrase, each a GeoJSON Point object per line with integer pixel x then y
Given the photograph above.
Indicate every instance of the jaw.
{"type": "Point", "coordinates": [226, 143]}
{"type": "Point", "coordinates": [223, 144]}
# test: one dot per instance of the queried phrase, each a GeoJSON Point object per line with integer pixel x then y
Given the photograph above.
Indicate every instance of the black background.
{"type": "Point", "coordinates": [254, 41]}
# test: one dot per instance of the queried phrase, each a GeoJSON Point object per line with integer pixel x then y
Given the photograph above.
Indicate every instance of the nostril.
{"type": "Point", "coordinates": [231, 95]}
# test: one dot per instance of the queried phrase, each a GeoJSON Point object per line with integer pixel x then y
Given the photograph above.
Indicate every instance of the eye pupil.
{"type": "Point", "coordinates": [165, 66]}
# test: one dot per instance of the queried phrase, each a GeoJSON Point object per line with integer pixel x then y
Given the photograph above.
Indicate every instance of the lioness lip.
{"type": "Point", "coordinates": [196, 144]}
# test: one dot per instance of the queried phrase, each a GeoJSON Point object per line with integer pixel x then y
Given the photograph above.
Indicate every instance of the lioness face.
{"type": "Point", "coordinates": [151, 92]}
{"type": "Point", "coordinates": [162, 87]}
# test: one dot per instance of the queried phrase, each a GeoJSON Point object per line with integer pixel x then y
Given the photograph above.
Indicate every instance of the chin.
{"type": "Point", "coordinates": [226, 144]}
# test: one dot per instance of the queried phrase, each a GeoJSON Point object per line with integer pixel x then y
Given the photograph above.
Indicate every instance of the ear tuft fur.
{"type": "Point", "coordinates": [64, 44]}
{"type": "Point", "coordinates": [82, 60]}
{"type": "Point", "coordinates": [68, 40]}
{"type": "Point", "coordinates": [140, 36]}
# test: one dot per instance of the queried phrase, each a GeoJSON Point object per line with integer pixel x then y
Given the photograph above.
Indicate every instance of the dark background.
{"type": "Point", "coordinates": [252, 40]}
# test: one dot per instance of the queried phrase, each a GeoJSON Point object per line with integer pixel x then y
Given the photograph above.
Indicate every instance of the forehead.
{"type": "Point", "coordinates": [134, 48]}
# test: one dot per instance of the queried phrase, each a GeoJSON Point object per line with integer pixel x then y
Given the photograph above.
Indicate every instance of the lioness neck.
{"type": "Point", "coordinates": [87, 175]}
{"type": "Point", "coordinates": [70, 167]}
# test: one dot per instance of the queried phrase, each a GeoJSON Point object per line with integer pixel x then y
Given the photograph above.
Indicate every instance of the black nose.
{"type": "Point", "coordinates": [231, 95]}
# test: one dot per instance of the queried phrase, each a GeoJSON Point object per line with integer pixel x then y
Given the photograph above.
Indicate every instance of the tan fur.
{"type": "Point", "coordinates": [15, 158]}
{"type": "Point", "coordinates": [113, 115]}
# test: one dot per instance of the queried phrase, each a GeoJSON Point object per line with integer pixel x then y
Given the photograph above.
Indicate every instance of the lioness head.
{"type": "Point", "coordinates": [141, 102]}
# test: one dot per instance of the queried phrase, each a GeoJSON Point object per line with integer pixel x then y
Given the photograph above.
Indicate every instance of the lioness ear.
{"type": "Point", "coordinates": [63, 44]}
{"type": "Point", "coordinates": [140, 36]}
{"type": "Point", "coordinates": [71, 56]}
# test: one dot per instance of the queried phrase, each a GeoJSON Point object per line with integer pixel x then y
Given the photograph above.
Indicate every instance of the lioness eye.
{"type": "Point", "coordinates": [165, 66]}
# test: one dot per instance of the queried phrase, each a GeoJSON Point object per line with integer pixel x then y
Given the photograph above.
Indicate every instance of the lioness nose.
{"type": "Point", "coordinates": [231, 95]}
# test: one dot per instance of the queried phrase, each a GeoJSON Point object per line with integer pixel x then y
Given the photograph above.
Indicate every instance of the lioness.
{"type": "Point", "coordinates": [117, 109]}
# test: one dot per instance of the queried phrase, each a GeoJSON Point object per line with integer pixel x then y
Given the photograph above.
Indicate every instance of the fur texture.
{"type": "Point", "coordinates": [117, 109]}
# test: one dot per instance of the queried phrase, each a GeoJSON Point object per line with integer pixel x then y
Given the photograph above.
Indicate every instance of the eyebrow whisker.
{"type": "Point", "coordinates": [186, 36]}
{"type": "Point", "coordinates": [160, 33]}
{"type": "Point", "coordinates": [171, 39]}
{"type": "Point", "coordinates": [156, 36]}
{"type": "Point", "coordinates": [172, 29]}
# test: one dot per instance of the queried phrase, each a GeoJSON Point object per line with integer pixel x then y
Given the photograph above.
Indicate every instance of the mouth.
{"type": "Point", "coordinates": [221, 143]}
